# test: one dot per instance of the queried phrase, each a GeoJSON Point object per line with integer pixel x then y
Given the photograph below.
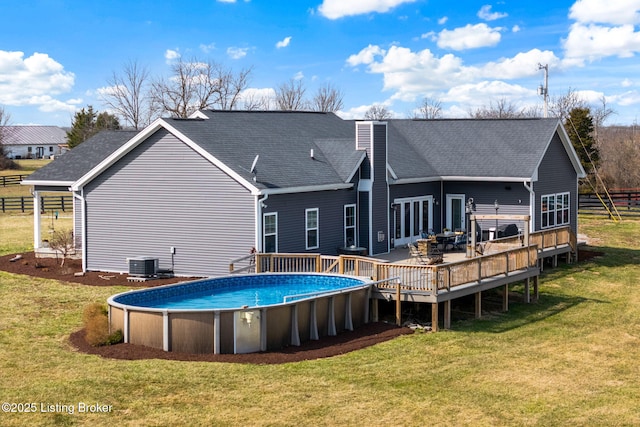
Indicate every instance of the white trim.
{"type": "Point", "coordinates": [264, 235]}
{"type": "Point", "coordinates": [47, 183]}
{"type": "Point", "coordinates": [458, 178]}
{"type": "Point", "coordinates": [305, 189]}
{"type": "Point", "coordinates": [357, 168]}
{"type": "Point", "coordinates": [307, 228]}
{"type": "Point", "coordinates": [399, 203]}
{"type": "Point", "coordinates": [354, 226]}
{"type": "Point", "coordinates": [449, 209]}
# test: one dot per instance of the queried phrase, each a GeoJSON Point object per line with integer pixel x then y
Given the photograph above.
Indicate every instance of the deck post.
{"type": "Point", "coordinates": [505, 298]}
{"type": "Point", "coordinates": [447, 314]}
{"type": "Point", "coordinates": [434, 317]}
{"type": "Point", "coordinates": [536, 293]}
{"type": "Point", "coordinates": [527, 290]}
{"type": "Point", "coordinates": [478, 305]}
{"type": "Point", "coordinates": [398, 305]}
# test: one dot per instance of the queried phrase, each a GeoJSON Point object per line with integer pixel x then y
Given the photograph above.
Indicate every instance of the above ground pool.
{"type": "Point", "coordinates": [241, 314]}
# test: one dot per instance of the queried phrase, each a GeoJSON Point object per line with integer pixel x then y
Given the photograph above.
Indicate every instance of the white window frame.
{"type": "Point", "coordinates": [315, 228]}
{"type": "Point", "coordinates": [558, 210]}
{"type": "Point", "coordinates": [351, 227]}
{"type": "Point", "coordinates": [264, 230]}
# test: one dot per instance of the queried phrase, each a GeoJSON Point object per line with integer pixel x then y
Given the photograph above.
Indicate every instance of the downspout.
{"type": "Point", "coordinates": [532, 205]}
{"type": "Point", "coordinates": [258, 238]}
{"type": "Point", "coordinates": [83, 220]}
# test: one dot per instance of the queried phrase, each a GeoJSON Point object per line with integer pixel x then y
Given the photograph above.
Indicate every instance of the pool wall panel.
{"type": "Point", "coordinates": [191, 332]}
{"type": "Point", "coordinates": [304, 320]}
{"type": "Point", "coordinates": [322, 307]}
{"type": "Point", "coordinates": [145, 329]}
{"type": "Point", "coordinates": [359, 301]}
{"type": "Point", "coordinates": [339, 301]}
{"type": "Point", "coordinates": [226, 333]}
{"type": "Point", "coordinates": [117, 319]}
{"type": "Point", "coordinates": [279, 327]}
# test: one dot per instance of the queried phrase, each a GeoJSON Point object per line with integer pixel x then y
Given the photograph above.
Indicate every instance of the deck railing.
{"type": "Point", "coordinates": [545, 239]}
{"type": "Point", "coordinates": [412, 277]}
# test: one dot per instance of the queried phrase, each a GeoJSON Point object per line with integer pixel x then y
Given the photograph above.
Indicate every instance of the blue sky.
{"type": "Point", "coordinates": [56, 56]}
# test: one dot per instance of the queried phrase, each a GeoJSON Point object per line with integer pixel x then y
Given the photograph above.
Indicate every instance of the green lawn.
{"type": "Point", "coordinates": [571, 359]}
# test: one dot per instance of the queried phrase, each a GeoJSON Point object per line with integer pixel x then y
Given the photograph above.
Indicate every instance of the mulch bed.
{"type": "Point", "coordinates": [49, 268]}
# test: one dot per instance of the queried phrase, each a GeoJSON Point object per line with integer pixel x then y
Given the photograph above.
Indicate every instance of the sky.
{"type": "Point", "coordinates": [57, 56]}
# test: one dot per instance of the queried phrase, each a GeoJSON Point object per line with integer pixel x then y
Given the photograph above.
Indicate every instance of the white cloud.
{"type": "Point", "coordinates": [516, 28]}
{"type": "Point", "coordinates": [171, 55]}
{"type": "Point", "coordinates": [298, 76]}
{"type": "Point", "coordinates": [207, 48]}
{"type": "Point", "coordinates": [592, 42]}
{"type": "Point", "coordinates": [617, 12]}
{"type": "Point", "coordinates": [626, 83]}
{"type": "Point", "coordinates": [443, 20]}
{"type": "Point", "coordinates": [284, 42]}
{"type": "Point", "coordinates": [486, 14]}
{"type": "Point", "coordinates": [410, 75]}
{"type": "Point", "coordinates": [469, 37]}
{"type": "Point", "coordinates": [237, 52]}
{"type": "Point", "coordinates": [335, 9]}
{"type": "Point", "coordinates": [34, 81]}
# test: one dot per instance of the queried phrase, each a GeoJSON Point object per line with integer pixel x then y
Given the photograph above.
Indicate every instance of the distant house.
{"type": "Point", "coordinates": [33, 142]}
{"type": "Point", "coordinates": [199, 192]}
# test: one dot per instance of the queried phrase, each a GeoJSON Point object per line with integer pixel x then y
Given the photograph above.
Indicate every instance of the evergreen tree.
{"type": "Point", "coordinates": [87, 123]}
{"type": "Point", "coordinates": [579, 125]}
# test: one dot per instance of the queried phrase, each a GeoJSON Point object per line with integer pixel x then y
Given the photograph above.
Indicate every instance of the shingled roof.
{"type": "Point", "coordinates": [74, 164]}
{"type": "Point", "coordinates": [310, 149]}
{"type": "Point", "coordinates": [33, 135]}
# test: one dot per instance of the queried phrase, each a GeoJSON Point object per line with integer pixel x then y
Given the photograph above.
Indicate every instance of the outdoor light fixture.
{"type": "Point", "coordinates": [496, 205]}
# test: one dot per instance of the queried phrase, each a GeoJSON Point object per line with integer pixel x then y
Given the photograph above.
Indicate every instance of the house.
{"type": "Point", "coordinates": [33, 142]}
{"type": "Point", "coordinates": [197, 193]}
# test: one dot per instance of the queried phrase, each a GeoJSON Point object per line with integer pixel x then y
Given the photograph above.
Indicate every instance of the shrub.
{"type": "Point", "coordinates": [96, 324]}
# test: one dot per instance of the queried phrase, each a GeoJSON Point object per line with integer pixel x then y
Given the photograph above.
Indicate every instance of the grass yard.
{"type": "Point", "coordinates": [571, 359]}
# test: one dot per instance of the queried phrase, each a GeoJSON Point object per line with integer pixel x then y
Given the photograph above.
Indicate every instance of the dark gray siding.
{"type": "Point", "coordinates": [556, 175]}
{"type": "Point", "coordinates": [291, 219]}
{"type": "Point", "coordinates": [380, 190]}
{"type": "Point", "coordinates": [163, 195]}
{"type": "Point", "coordinates": [418, 190]}
{"type": "Point", "coordinates": [512, 197]}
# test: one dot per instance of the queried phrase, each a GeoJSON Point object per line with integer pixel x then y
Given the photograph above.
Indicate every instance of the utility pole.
{"type": "Point", "coordinates": [544, 89]}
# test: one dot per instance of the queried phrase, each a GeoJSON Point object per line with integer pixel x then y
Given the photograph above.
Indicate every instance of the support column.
{"type": "Point", "coordinates": [331, 318]}
{"type": "Point", "coordinates": [536, 293]}
{"type": "Point", "coordinates": [313, 322]}
{"type": "Point", "coordinates": [348, 316]}
{"type": "Point", "coordinates": [375, 310]}
{"type": "Point", "coordinates": [478, 305]}
{"type": "Point", "coordinates": [166, 336]}
{"type": "Point", "coordinates": [216, 332]}
{"type": "Point", "coordinates": [447, 314]}
{"type": "Point", "coordinates": [505, 298]}
{"type": "Point", "coordinates": [434, 317]}
{"type": "Point", "coordinates": [295, 334]}
{"type": "Point", "coordinates": [37, 233]}
{"type": "Point", "coordinates": [527, 290]}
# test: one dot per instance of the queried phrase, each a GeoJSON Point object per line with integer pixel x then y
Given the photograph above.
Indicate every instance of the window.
{"type": "Point", "coordinates": [556, 210]}
{"type": "Point", "coordinates": [270, 232]}
{"type": "Point", "coordinates": [311, 220]}
{"type": "Point", "coordinates": [350, 225]}
{"type": "Point", "coordinates": [455, 212]}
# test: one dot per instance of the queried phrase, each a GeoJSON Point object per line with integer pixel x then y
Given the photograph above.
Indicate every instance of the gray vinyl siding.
{"type": "Point", "coordinates": [512, 197]}
{"type": "Point", "coordinates": [380, 189]}
{"type": "Point", "coordinates": [556, 175]}
{"type": "Point", "coordinates": [161, 195]}
{"type": "Point", "coordinates": [417, 190]}
{"type": "Point", "coordinates": [291, 219]}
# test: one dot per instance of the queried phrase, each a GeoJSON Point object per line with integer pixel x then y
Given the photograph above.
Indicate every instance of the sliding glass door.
{"type": "Point", "coordinates": [411, 217]}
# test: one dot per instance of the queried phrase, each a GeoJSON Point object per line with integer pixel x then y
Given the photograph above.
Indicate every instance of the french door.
{"type": "Point", "coordinates": [412, 216]}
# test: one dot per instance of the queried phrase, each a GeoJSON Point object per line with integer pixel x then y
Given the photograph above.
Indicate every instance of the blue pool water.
{"type": "Point", "coordinates": [236, 291]}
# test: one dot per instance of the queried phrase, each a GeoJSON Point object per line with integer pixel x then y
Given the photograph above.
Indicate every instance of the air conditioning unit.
{"type": "Point", "coordinates": [143, 266]}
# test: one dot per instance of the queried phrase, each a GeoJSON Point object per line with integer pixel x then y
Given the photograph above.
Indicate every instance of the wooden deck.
{"type": "Point", "coordinates": [505, 262]}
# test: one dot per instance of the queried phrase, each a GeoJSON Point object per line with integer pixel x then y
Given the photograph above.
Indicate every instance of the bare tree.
{"type": "Point", "coordinates": [328, 99]}
{"type": "Point", "coordinates": [377, 112]}
{"type": "Point", "coordinates": [254, 101]}
{"type": "Point", "coordinates": [502, 109]}
{"type": "Point", "coordinates": [562, 106]}
{"type": "Point", "coordinates": [600, 114]}
{"type": "Point", "coordinates": [128, 95]}
{"type": "Point", "coordinates": [429, 109]}
{"type": "Point", "coordinates": [5, 120]}
{"type": "Point", "coordinates": [196, 85]}
{"type": "Point", "coordinates": [290, 96]}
